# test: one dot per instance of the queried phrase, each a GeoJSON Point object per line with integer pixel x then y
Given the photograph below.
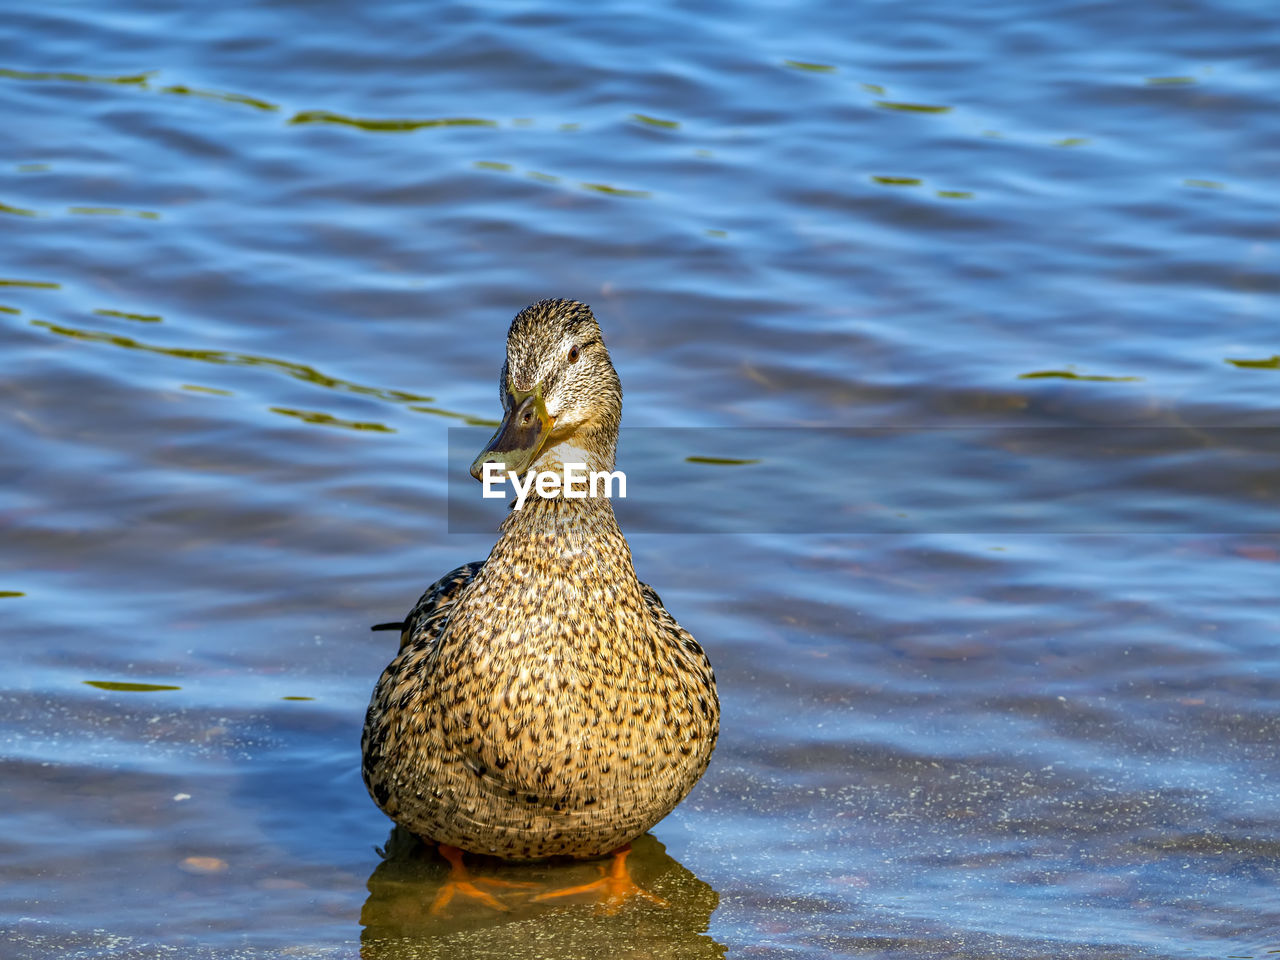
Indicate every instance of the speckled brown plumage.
{"type": "Point", "coordinates": [544, 702]}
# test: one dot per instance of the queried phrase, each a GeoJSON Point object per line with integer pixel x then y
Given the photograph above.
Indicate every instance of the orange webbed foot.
{"type": "Point", "coordinates": [460, 882]}
{"type": "Point", "coordinates": [614, 888]}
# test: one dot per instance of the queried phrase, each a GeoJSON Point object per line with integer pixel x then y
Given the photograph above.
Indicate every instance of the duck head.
{"type": "Point", "coordinates": [561, 397]}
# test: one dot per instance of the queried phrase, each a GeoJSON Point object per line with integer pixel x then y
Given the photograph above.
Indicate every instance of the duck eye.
{"type": "Point", "coordinates": [574, 352]}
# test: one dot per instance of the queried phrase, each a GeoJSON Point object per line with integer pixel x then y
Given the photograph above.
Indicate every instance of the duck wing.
{"type": "Point", "coordinates": [421, 628]}
{"type": "Point", "coordinates": [430, 614]}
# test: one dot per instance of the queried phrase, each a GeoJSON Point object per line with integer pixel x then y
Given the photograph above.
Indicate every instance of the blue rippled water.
{"type": "Point", "coordinates": [256, 261]}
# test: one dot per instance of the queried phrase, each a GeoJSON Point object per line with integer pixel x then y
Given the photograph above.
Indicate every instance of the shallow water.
{"type": "Point", "coordinates": [258, 261]}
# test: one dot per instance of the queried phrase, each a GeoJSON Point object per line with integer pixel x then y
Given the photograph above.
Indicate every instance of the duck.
{"type": "Point", "coordinates": [543, 702]}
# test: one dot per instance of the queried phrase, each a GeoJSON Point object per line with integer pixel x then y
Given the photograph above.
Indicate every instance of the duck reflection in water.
{"type": "Point", "coordinates": [397, 924]}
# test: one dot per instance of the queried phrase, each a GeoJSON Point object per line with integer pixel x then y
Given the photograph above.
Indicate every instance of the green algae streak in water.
{"type": "Point", "coordinates": [454, 415]}
{"type": "Point", "coordinates": [1268, 363]}
{"type": "Point", "coordinates": [123, 315]}
{"type": "Point", "coordinates": [136, 79]}
{"type": "Point", "coordinates": [328, 420]}
{"type": "Point", "coordinates": [113, 212]}
{"type": "Point", "coordinates": [120, 686]}
{"type": "Point", "coordinates": [299, 371]}
{"type": "Point", "coordinates": [655, 122]}
{"type": "Point", "coordinates": [811, 67]}
{"type": "Point", "coordinates": [911, 107]}
{"type": "Point", "coordinates": [1072, 375]}
{"type": "Point", "coordinates": [240, 98]}
{"type": "Point", "coordinates": [33, 284]}
{"type": "Point", "coordinates": [388, 126]}
{"type": "Point", "coordinates": [614, 191]}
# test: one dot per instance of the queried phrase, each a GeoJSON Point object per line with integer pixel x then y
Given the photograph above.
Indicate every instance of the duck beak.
{"type": "Point", "coordinates": [520, 436]}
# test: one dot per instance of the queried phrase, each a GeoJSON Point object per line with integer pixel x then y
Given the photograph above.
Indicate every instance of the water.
{"type": "Point", "coordinates": [258, 261]}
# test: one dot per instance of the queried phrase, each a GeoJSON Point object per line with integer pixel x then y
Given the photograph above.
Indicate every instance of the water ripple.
{"type": "Point", "coordinates": [299, 371]}
{"type": "Point", "coordinates": [935, 744]}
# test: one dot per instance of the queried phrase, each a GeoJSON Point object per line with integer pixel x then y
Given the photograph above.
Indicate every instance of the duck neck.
{"type": "Point", "coordinates": [570, 525]}
{"type": "Point", "coordinates": [571, 541]}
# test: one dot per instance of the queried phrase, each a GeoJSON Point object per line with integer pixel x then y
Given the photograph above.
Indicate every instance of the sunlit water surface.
{"type": "Point", "coordinates": [257, 261]}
